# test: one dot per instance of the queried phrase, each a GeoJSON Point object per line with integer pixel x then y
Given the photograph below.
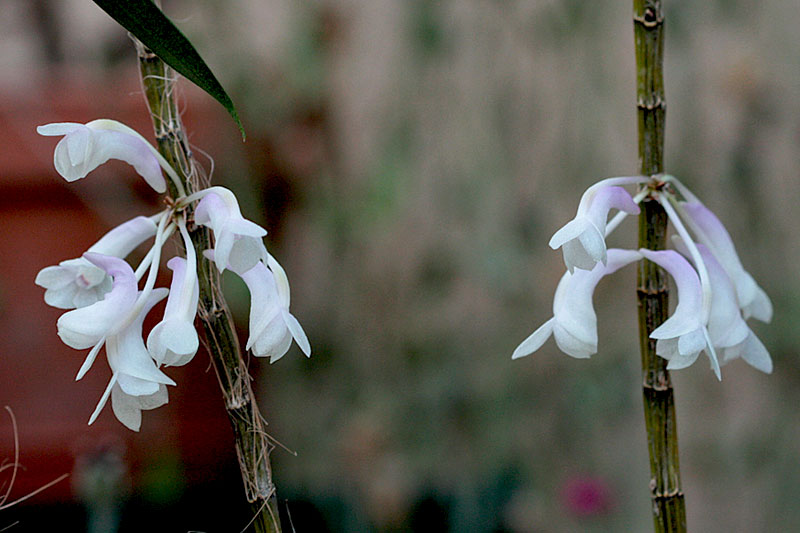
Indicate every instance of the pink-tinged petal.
{"type": "Point", "coordinates": [688, 312]}
{"type": "Point", "coordinates": [211, 211]}
{"type": "Point", "coordinates": [122, 240]}
{"type": "Point", "coordinates": [714, 235]}
{"type": "Point", "coordinates": [297, 332]}
{"type": "Point", "coordinates": [535, 340]}
{"type": "Point", "coordinates": [605, 200]}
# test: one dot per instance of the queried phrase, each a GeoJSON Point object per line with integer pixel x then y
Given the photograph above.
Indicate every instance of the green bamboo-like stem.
{"type": "Point", "coordinates": [668, 506]}
{"type": "Point", "coordinates": [251, 441]}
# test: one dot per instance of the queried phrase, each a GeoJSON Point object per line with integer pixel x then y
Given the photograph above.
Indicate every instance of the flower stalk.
{"type": "Point", "coordinates": [668, 506]}
{"type": "Point", "coordinates": [251, 440]}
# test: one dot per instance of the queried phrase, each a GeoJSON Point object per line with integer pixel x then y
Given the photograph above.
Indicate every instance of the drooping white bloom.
{"type": "Point", "coordinates": [116, 322]}
{"type": "Point", "coordinates": [133, 370]}
{"type": "Point", "coordinates": [271, 325]}
{"type": "Point", "coordinates": [710, 231]}
{"type": "Point", "coordinates": [574, 322]}
{"type": "Point", "coordinates": [683, 335]}
{"type": "Point", "coordinates": [77, 282]}
{"type": "Point", "coordinates": [728, 331]}
{"type": "Point", "coordinates": [238, 243]}
{"type": "Point", "coordinates": [86, 147]}
{"type": "Point", "coordinates": [582, 239]}
{"type": "Point", "coordinates": [174, 341]}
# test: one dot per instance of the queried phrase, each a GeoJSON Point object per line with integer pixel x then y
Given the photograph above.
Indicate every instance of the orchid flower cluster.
{"type": "Point", "coordinates": [101, 289]}
{"type": "Point", "coordinates": [716, 295]}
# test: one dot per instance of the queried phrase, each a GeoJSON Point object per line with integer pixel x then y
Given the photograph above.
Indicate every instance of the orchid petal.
{"type": "Point", "coordinates": [85, 147]}
{"type": "Point", "coordinates": [756, 355]}
{"type": "Point", "coordinates": [583, 238]}
{"type": "Point", "coordinates": [128, 409]}
{"type": "Point", "coordinates": [84, 327]}
{"type": "Point", "coordinates": [535, 340]}
{"type": "Point", "coordinates": [686, 316]}
{"type": "Point", "coordinates": [297, 332]}
{"type": "Point", "coordinates": [572, 345]}
{"type": "Point", "coordinates": [122, 240]}
{"type": "Point", "coordinates": [237, 240]}
{"type": "Point", "coordinates": [713, 234]}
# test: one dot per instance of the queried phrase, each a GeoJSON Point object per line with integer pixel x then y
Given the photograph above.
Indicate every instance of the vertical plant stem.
{"type": "Point", "coordinates": [251, 441]}
{"type": "Point", "coordinates": [669, 511]}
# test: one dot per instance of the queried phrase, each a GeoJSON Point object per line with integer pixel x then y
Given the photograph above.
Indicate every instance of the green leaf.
{"type": "Point", "coordinates": [145, 21]}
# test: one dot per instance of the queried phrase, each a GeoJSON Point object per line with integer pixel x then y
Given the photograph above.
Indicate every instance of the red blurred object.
{"type": "Point", "coordinates": [46, 220]}
{"type": "Point", "coordinates": [586, 496]}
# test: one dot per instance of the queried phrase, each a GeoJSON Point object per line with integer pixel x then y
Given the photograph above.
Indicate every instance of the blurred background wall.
{"type": "Point", "coordinates": [410, 161]}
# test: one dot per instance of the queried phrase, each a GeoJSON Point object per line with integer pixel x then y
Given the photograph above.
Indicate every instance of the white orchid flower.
{"type": "Point", "coordinates": [709, 230]}
{"type": "Point", "coordinates": [582, 239]}
{"type": "Point", "coordinates": [574, 322]}
{"type": "Point", "coordinates": [728, 331]}
{"type": "Point", "coordinates": [682, 337]}
{"type": "Point", "coordinates": [111, 322]}
{"type": "Point", "coordinates": [87, 146]}
{"type": "Point", "coordinates": [133, 370]}
{"type": "Point", "coordinates": [77, 282]}
{"type": "Point", "coordinates": [238, 243]}
{"type": "Point", "coordinates": [173, 341]}
{"type": "Point", "coordinates": [271, 326]}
